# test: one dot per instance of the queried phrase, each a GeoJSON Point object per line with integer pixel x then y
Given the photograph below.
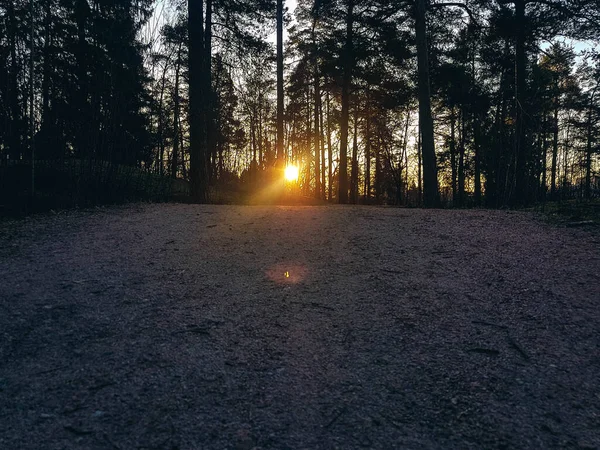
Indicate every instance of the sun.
{"type": "Point", "coordinates": [291, 173]}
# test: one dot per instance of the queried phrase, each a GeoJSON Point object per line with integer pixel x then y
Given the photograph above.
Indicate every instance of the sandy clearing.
{"type": "Point", "coordinates": [182, 326]}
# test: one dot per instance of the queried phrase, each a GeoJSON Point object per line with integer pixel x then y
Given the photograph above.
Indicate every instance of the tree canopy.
{"type": "Point", "coordinates": [419, 103]}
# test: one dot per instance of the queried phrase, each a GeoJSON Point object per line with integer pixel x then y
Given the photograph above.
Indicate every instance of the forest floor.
{"type": "Point", "coordinates": [175, 326]}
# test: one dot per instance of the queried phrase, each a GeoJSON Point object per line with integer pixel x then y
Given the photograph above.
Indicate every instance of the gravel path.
{"type": "Point", "coordinates": [209, 327]}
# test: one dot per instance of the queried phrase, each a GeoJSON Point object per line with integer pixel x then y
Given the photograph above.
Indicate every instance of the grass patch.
{"type": "Point", "coordinates": [571, 213]}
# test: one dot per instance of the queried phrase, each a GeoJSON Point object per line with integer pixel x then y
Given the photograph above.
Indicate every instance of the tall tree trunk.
{"type": "Point", "coordinates": [354, 167]}
{"type": "Point", "coordinates": [503, 157]}
{"type": "Point", "coordinates": [221, 162]}
{"type": "Point", "coordinates": [198, 153]}
{"type": "Point", "coordinates": [419, 170]}
{"type": "Point", "coordinates": [161, 138]}
{"type": "Point", "coordinates": [317, 100]}
{"type": "Point", "coordinates": [317, 133]}
{"type": "Point", "coordinates": [406, 186]}
{"type": "Point", "coordinates": [430, 188]}
{"type": "Point", "coordinates": [174, 158]}
{"type": "Point", "coordinates": [47, 127]}
{"type": "Point", "coordinates": [15, 125]}
{"type": "Point", "coordinates": [461, 160]}
{"type": "Point", "coordinates": [253, 134]}
{"type": "Point", "coordinates": [182, 151]}
{"type": "Point", "coordinates": [322, 140]}
{"type": "Point", "coordinates": [453, 156]}
{"type": "Point", "coordinates": [209, 95]}
{"type": "Point", "coordinates": [46, 71]}
{"type": "Point", "coordinates": [402, 166]}
{"type": "Point", "coordinates": [280, 155]}
{"type": "Point", "coordinates": [329, 153]}
{"type": "Point", "coordinates": [32, 94]}
{"type": "Point", "coordinates": [378, 165]}
{"type": "Point", "coordinates": [348, 58]}
{"type": "Point", "coordinates": [566, 154]}
{"type": "Point", "coordinates": [588, 150]}
{"type": "Point", "coordinates": [554, 155]}
{"type": "Point", "coordinates": [544, 157]}
{"type": "Point", "coordinates": [260, 131]}
{"type": "Point", "coordinates": [521, 191]}
{"type": "Point", "coordinates": [493, 180]}
{"type": "Point", "coordinates": [309, 137]}
{"type": "Point", "coordinates": [367, 149]}
{"type": "Point", "coordinates": [82, 130]}
{"type": "Point", "coordinates": [477, 145]}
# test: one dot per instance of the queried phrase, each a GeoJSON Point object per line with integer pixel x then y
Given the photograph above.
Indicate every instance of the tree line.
{"type": "Point", "coordinates": [409, 102]}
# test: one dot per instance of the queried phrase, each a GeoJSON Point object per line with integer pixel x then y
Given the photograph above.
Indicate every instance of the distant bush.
{"type": "Point", "coordinates": [72, 183]}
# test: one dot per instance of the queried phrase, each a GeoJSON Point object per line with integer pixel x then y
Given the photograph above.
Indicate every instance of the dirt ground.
{"type": "Point", "coordinates": [210, 327]}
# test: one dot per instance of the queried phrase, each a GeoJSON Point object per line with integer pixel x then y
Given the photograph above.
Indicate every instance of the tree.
{"type": "Point", "coordinates": [197, 114]}
{"type": "Point", "coordinates": [430, 188]}
{"type": "Point", "coordinates": [280, 154]}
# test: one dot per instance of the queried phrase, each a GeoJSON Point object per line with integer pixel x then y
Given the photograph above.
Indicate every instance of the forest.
{"type": "Point", "coordinates": [299, 224]}
{"type": "Point", "coordinates": [481, 103]}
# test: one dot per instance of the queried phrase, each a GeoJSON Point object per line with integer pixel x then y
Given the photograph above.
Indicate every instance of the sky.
{"type": "Point", "coordinates": [162, 11]}
{"type": "Point", "coordinates": [291, 6]}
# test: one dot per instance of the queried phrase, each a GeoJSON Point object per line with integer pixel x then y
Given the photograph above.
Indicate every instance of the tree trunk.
{"type": "Point", "coordinates": [176, 116]}
{"type": "Point", "coordinates": [477, 144]}
{"type": "Point", "coordinates": [211, 148]}
{"type": "Point", "coordinates": [329, 153]}
{"type": "Point", "coordinates": [15, 130]}
{"type": "Point", "coordinates": [48, 127]}
{"type": "Point", "coordinates": [430, 189]}
{"type": "Point", "coordinates": [82, 131]}
{"type": "Point", "coordinates": [181, 141]}
{"type": "Point", "coordinates": [367, 149]}
{"type": "Point", "coordinates": [46, 68]}
{"type": "Point", "coordinates": [453, 156]}
{"type": "Point", "coordinates": [566, 154]}
{"type": "Point", "coordinates": [198, 154]}
{"type": "Point", "coordinates": [348, 58]}
{"type": "Point", "coordinates": [322, 140]}
{"type": "Point", "coordinates": [493, 179]}
{"type": "Point", "coordinates": [280, 155]}
{"type": "Point", "coordinates": [402, 166]}
{"type": "Point", "coordinates": [309, 135]}
{"type": "Point", "coordinates": [461, 160]}
{"type": "Point", "coordinates": [260, 130]}
{"type": "Point", "coordinates": [554, 156]}
{"type": "Point", "coordinates": [588, 150]}
{"type": "Point", "coordinates": [544, 158]}
{"type": "Point", "coordinates": [419, 170]}
{"type": "Point", "coordinates": [378, 168]}
{"type": "Point", "coordinates": [161, 139]}
{"type": "Point", "coordinates": [521, 191]}
{"type": "Point", "coordinates": [317, 134]}
{"type": "Point", "coordinates": [253, 134]}
{"type": "Point", "coordinates": [354, 167]}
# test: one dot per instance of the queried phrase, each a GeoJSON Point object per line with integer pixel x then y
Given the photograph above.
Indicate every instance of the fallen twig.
{"type": "Point", "coordinates": [77, 431]}
{"type": "Point", "coordinates": [315, 305]}
{"type": "Point", "coordinates": [44, 372]}
{"type": "Point", "coordinates": [336, 417]}
{"type": "Point", "coordinates": [489, 324]}
{"type": "Point", "coordinates": [518, 348]}
{"type": "Point", "coordinates": [196, 330]}
{"type": "Point", "coordinates": [580, 223]}
{"type": "Point", "coordinates": [485, 351]}
{"type": "Point", "coordinates": [392, 422]}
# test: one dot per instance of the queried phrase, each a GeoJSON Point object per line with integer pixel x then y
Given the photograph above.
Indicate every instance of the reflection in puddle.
{"type": "Point", "coordinates": [285, 273]}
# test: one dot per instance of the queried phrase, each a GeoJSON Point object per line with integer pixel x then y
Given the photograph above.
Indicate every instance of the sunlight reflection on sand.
{"type": "Point", "coordinates": [287, 273]}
